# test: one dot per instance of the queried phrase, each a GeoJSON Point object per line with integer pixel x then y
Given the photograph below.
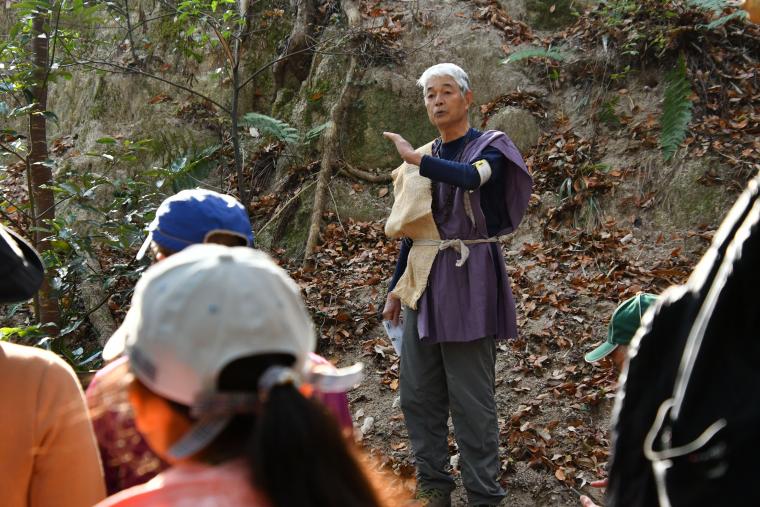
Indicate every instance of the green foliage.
{"type": "Point", "coordinates": [273, 127]}
{"type": "Point", "coordinates": [621, 75]}
{"type": "Point", "coordinates": [315, 133]}
{"type": "Point", "coordinates": [103, 213]}
{"type": "Point", "coordinates": [676, 110]}
{"type": "Point", "coordinates": [524, 54]}
{"type": "Point", "coordinates": [716, 6]}
{"type": "Point", "coordinates": [188, 170]}
{"type": "Point", "coordinates": [22, 334]}
{"type": "Point", "coordinates": [607, 112]}
{"type": "Point", "coordinates": [740, 14]}
{"type": "Point", "coordinates": [103, 207]}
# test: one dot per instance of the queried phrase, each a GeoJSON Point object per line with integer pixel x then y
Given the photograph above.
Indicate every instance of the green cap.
{"type": "Point", "coordinates": [623, 325]}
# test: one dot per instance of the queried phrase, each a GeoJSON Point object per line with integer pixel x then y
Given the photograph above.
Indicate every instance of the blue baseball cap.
{"type": "Point", "coordinates": [191, 216]}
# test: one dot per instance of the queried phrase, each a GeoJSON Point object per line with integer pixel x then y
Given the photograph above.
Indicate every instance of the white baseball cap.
{"type": "Point", "coordinates": [200, 309]}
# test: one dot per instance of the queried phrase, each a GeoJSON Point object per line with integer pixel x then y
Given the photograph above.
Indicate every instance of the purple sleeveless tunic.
{"type": "Point", "coordinates": [462, 304]}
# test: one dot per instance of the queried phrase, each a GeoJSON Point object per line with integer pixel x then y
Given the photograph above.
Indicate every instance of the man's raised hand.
{"type": "Point", "coordinates": [405, 150]}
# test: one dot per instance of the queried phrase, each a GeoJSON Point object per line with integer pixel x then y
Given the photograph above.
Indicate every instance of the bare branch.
{"type": "Point", "coordinates": [55, 40]}
{"type": "Point", "coordinates": [331, 139]}
{"type": "Point", "coordinates": [225, 46]}
{"type": "Point", "coordinates": [283, 207]}
{"type": "Point", "coordinates": [132, 70]}
{"type": "Point", "coordinates": [12, 152]}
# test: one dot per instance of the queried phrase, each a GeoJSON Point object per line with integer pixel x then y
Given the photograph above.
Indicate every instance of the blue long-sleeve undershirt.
{"type": "Point", "coordinates": [403, 257]}
{"type": "Point", "coordinates": [447, 171]}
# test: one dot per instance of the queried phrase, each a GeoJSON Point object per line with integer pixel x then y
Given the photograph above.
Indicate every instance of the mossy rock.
{"type": "Point", "coordinates": [515, 9]}
{"type": "Point", "coordinates": [519, 125]}
{"type": "Point", "coordinates": [689, 204]}
{"type": "Point", "coordinates": [380, 110]}
{"type": "Point", "coordinates": [551, 14]}
{"type": "Point", "coordinates": [261, 51]}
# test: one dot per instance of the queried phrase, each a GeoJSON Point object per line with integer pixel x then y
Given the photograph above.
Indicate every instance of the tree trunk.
{"type": "Point", "coordinates": [132, 48]}
{"type": "Point", "coordinates": [301, 37]}
{"type": "Point", "coordinates": [235, 129]}
{"type": "Point", "coordinates": [331, 139]}
{"type": "Point", "coordinates": [39, 171]}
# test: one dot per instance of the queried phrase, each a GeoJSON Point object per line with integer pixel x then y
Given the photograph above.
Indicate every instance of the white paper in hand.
{"type": "Point", "coordinates": [394, 334]}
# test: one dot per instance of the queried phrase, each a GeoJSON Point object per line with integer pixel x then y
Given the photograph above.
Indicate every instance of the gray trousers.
{"type": "Point", "coordinates": [436, 378]}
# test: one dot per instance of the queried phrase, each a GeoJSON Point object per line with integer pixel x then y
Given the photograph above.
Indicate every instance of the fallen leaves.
{"type": "Point", "coordinates": [61, 145]}
{"type": "Point", "coordinates": [160, 98]}
{"type": "Point", "coordinates": [521, 99]}
{"type": "Point", "coordinates": [341, 290]}
{"type": "Point", "coordinates": [514, 32]}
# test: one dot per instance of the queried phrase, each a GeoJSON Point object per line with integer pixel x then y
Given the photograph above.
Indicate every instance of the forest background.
{"type": "Point", "coordinates": [638, 120]}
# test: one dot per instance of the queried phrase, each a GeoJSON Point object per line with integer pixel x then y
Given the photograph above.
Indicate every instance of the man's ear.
{"type": "Point", "coordinates": [468, 97]}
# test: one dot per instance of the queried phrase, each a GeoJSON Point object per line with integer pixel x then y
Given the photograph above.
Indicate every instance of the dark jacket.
{"type": "Point", "coordinates": [21, 268]}
{"type": "Point", "coordinates": [685, 427]}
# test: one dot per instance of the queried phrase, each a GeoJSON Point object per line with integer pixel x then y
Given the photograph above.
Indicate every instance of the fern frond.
{"type": "Point", "coordinates": [715, 6]}
{"type": "Point", "coordinates": [676, 110]}
{"type": "Point", "coordinates": [191, 168]}
{"type": "Point", "coordinates": [534, 53]}
{"type": "Point", "coordinates": [315, 133]}
{"type": "Point", "coordinates": [272, 126]}
{"type": "Point", "coordinates": [740, 14]}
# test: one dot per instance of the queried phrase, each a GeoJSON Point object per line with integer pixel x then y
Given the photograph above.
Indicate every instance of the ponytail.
{"type": "Point", "coordinates": [294, 447]}
{"type": "Point", "coordinates": [299, 457]}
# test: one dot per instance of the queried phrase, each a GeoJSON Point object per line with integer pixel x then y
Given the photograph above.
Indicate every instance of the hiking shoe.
{"type": "Point", "coordinates": [433, 498]}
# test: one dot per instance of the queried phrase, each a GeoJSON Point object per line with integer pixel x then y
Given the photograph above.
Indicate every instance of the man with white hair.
{"type": "Point", "coordinates": [459, 302]}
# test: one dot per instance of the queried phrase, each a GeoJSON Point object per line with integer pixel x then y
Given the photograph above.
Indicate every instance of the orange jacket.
{"type": "Point", "coordinates": [48, 455]}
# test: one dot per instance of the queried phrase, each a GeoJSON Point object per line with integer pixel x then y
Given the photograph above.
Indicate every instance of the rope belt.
{"type": "Point", "coordinates": [460, 245]}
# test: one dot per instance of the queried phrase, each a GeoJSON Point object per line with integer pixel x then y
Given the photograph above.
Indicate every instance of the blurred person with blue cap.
{"type": "Point", "coordinates": [197, 216]}
{"type": "Point", "coordinates": [186, 218]}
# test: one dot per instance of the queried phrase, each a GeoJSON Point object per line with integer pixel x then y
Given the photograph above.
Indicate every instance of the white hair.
{"type": "Point", "coordinates": [445, 70]}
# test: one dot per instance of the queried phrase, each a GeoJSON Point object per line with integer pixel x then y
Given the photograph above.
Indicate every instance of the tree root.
{"type": "Point", "coordinates": [352, 171]}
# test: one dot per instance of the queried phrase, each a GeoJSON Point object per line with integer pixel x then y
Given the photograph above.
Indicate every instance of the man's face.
{"type": "Point", "coordinates": [445, 104]}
